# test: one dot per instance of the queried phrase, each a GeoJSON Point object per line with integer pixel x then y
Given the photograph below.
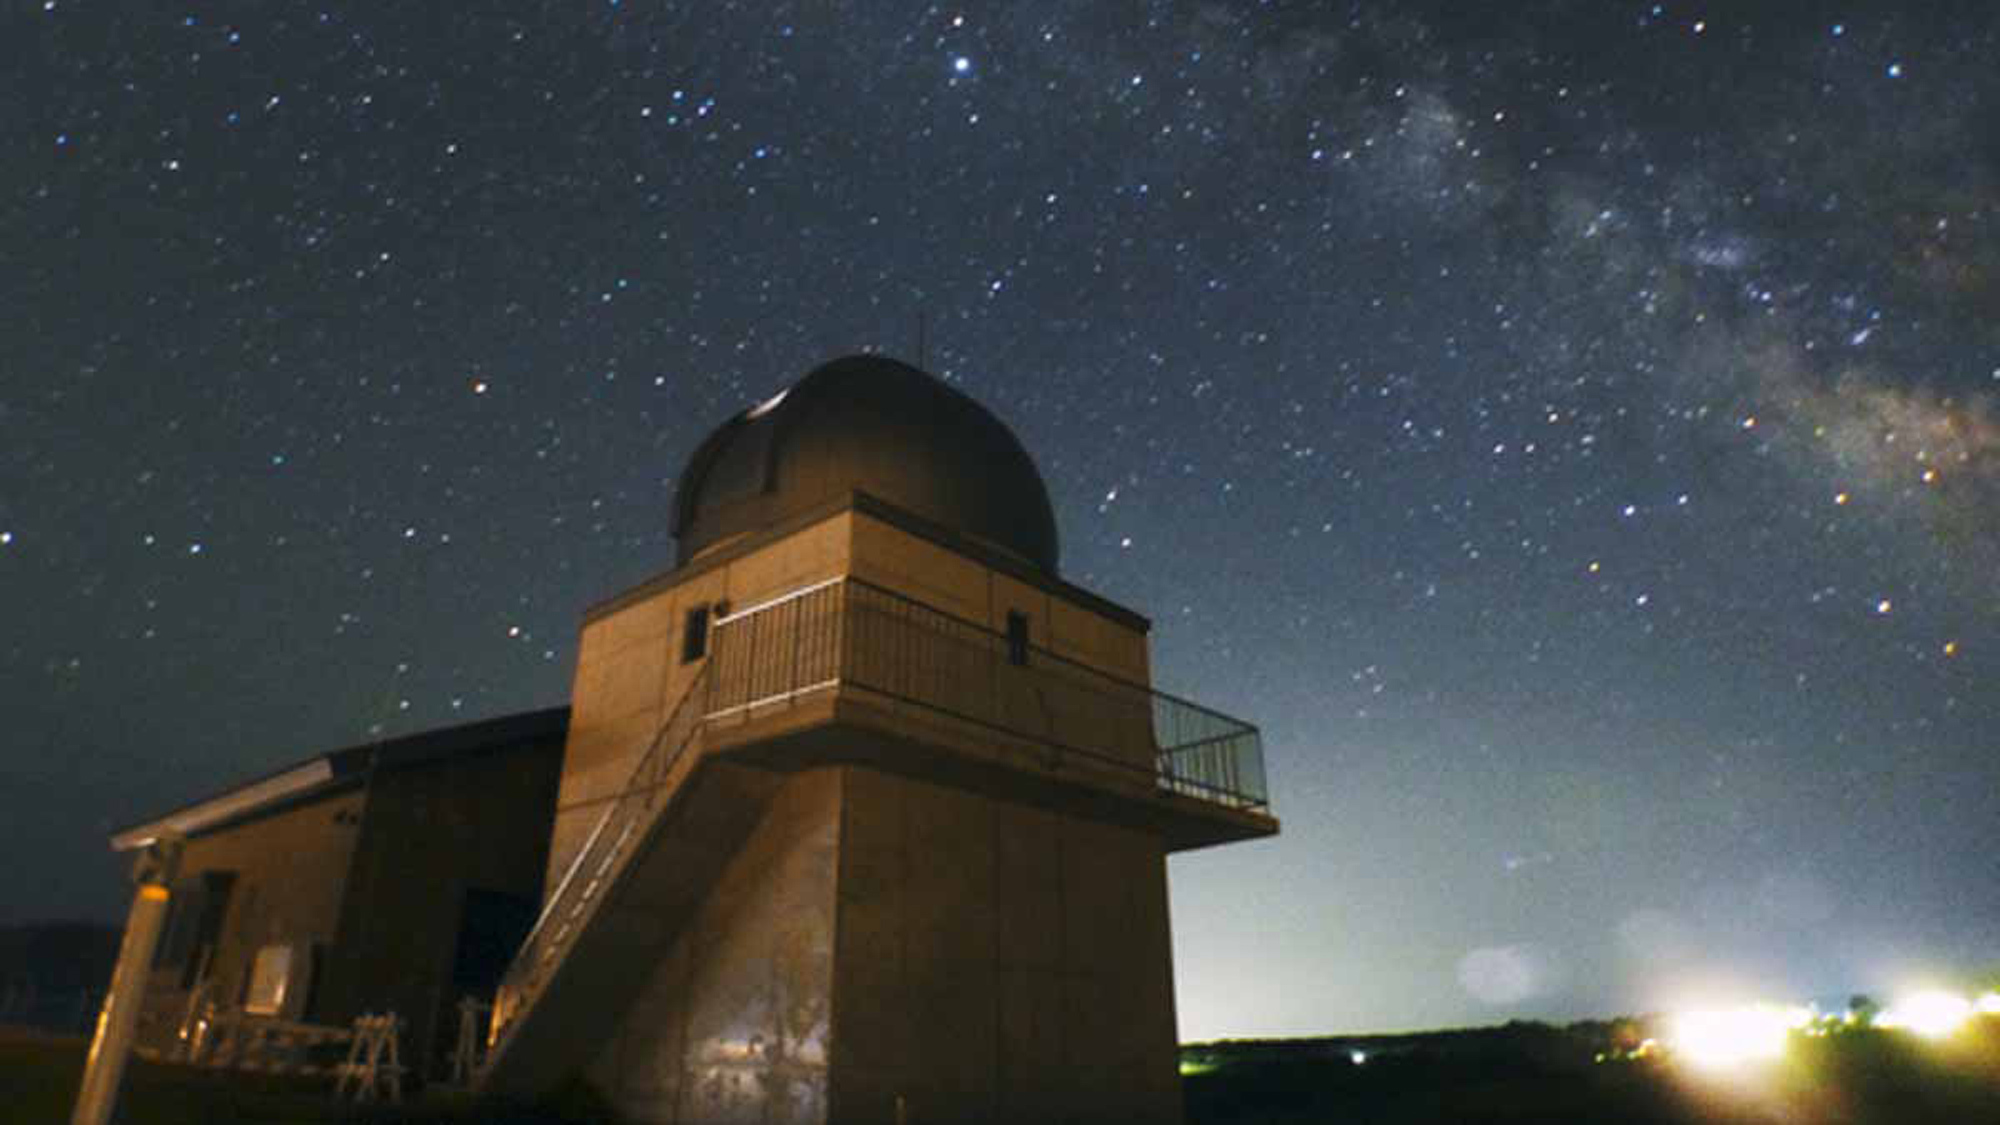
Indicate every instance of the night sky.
{"type": "Point", "coordinates": [1572, 431]}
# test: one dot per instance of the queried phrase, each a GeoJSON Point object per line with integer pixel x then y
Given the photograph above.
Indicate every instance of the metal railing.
{"type": "Point", "coordinates": [852, 635]}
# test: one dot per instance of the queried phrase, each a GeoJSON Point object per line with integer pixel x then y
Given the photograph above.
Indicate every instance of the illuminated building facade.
{"type": "Point", "coordinates": [864, 810]}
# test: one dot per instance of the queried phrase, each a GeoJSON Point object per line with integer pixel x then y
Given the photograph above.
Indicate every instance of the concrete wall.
{"type": "Point", "coordinates": [1060, 701]}
{"type": "Point", "coordinates": [914, 566]}
{"type": "Point", "coordinates": [999, 963]}
{"type": "Point", "coordinates": [290, 875]}
{"type": "Point", "coordinates": [880, 938]}
{"type": "Point", "coordinates": [629, 671]}
{"type": "Point", "coordinates": [732, 1025]}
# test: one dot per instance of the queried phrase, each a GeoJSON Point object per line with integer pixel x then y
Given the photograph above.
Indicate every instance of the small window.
{"type": "Point", "coordinates": [1017, 637]}
{"type": "Point", "coordinates": [694, 635]}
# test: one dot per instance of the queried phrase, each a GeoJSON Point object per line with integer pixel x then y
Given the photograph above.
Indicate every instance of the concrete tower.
{"type": "Point", "coordinates": [864, 810]}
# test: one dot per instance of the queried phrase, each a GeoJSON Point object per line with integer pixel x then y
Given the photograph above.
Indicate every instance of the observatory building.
{"type": "Point", "coordinates": [862, 812]}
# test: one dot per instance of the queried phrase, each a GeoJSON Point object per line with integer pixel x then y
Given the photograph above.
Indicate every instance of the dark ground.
{"type": "Point", "coordinates": [1519, 1073]}
{"type": "Point", "coordinates": [40, 1073]}
{"type": "Point", "coordinates": [1534, 1073]}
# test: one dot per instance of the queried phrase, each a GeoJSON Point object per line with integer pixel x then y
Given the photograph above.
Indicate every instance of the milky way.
{"type": "Point", "coordinates": [1571, 430]}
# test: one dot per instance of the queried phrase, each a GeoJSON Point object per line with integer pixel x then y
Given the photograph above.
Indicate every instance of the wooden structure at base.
{"type": "Point", "coordinates": [374, 1066]}
{"type": "Point", "coordinates": [240, 1041]}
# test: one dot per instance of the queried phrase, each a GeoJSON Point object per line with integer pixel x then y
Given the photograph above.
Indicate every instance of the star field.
{"type": "Point", "coordinates": [1571, 430]}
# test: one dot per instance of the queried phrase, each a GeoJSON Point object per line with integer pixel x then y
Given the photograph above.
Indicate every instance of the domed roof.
{"type": "Point", "coordinates": [867, 424]}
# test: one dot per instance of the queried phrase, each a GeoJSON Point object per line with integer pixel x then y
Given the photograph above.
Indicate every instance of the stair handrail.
{"type": "Point", "coordinates": [540, 951]}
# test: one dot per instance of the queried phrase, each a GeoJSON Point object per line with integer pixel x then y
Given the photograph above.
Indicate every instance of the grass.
{"type": "Point", "coordinates": [40, 1074]}
{"type": "Point", "coordinates": [1532, 1074]}
{"type": "Point", "coordinates": [1513, 1075]}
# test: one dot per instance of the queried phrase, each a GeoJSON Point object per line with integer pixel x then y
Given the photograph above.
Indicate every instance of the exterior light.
{"type": "Point", "coordinates": [1932, 1015]}
{"type": "Point", "coordinates": [1719, 1038]}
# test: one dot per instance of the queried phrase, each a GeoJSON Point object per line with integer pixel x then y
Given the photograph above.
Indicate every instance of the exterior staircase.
{"type": "Point", "coordinates": [639, 878]}
{"type": "Point", "coordinates": [833, 655]}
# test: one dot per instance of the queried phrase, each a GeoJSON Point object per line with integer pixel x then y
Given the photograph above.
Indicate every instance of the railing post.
{"type": "Point", "coordinates": [846, 630]}
{"type": "Point", "coordinates": [708, 668]}
{"type": "Point", "coordinates": [798, 635]}
{"type": "Point", "coordinates": [750, 667]}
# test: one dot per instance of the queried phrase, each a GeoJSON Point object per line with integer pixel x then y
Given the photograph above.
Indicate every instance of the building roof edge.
{"type": "Point", "coordinates": [300, 779]}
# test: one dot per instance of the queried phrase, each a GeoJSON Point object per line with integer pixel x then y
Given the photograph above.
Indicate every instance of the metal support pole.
{"type": "Point", "coordinates": [104, 1070]}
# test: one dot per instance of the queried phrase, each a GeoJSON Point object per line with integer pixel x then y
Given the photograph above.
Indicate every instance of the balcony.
{"type": "Point", "coordinates": [863, 642]}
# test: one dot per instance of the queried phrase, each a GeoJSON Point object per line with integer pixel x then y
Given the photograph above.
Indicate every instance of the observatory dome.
{"type": "Point", "coordinates": [873, 425]}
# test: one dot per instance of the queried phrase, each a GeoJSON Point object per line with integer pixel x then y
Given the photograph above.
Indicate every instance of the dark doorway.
{"type": "Point", "coordinates": [490, 930]}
